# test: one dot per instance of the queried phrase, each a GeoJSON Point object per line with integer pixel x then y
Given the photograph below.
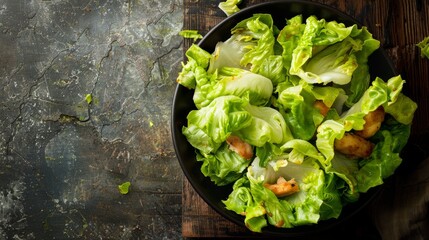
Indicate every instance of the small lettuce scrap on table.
{"type": "Point", "coordinates": [124, 187]}
{"type": "Point", "coordinates": [271, 105]}
{"type": "Point", "coordinates": [424, 47]}
{"type": "Point", "coordinates": [229, 7]}
{"type": "Point", "coordinates": [192, 34]}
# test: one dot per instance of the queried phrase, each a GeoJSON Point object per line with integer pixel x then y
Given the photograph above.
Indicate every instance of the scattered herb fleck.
{"type": "Point", "coordinates": [124, 187]}
{"type": "Point", "coordinates": [150, 124]}
{"type": "Point", "coordinates": [83, 119]}
{"type": "Point", "coordinates": [88, 98]}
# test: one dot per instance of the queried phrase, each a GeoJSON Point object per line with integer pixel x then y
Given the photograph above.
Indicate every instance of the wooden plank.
{"type": "Point", "coordinates": [408, 24]}
{"type": "Point", "coordinates": [200, 220]}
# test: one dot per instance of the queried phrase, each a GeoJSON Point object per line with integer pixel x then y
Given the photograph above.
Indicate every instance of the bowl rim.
{"type": "Point", "coordinates": [288, 232]}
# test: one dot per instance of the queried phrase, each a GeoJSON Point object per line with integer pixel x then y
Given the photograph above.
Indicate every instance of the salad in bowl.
{"type": "Point", "coordinates": [289, 119]}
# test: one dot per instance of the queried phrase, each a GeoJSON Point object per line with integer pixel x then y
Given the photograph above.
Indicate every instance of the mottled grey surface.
{"type": "Point", "coordinates": [61, 156]}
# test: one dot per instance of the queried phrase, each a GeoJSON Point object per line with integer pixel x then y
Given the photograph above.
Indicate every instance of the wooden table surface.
{"type": "Point", "coordinates": [399, 25]}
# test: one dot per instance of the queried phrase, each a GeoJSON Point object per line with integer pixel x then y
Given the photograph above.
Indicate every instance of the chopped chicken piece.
{"type": "Point", "coordinates": [239, 146]}
{"type": "Point", "coordinates": [282, 187]}
{"type": "Point", "coordinates": [323, 109]}
{"type": "Point", "coordinates": [373, 122]}
{"type": "Point", "coordinates": [354, 146]}
{"type": "Point", "coordinates": [280, 223]}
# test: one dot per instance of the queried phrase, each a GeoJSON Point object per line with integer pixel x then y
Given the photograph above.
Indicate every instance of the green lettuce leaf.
{"type": "Point", "coordinates": [240, 198]}
{"type": "Point", "coordinates": [230, 52]}
{"type": "Point", "coordinates": [324, 52]}
{"type": "Point", "coordinates": [333, 32]}
{"type": "Point", "coordinates": [241, 202]}
{"type": "Point", "coordinates": [193, 34]}
{"type": "Point", "coordinates": [200, 139]}
{"type": "Point", "coordinates": [335, 63]}
{"type": "Point", "coordinates": [319, 51]}
{"type": "Point", "coordinates": [273, 68]}
{"type": "Point", "coordinates": [195, 67]}
{"type": "Point", "coordinates": [315, 193]}
{"type": "Point", "coordinates": [385, 157]}
{"type": "Point", "coordinates": [331, 196]}
{"type": "Point", "coordinates": [223, 167]}
{"type": "Point", "coordinates": [277, 212]}
{"type": "Point", "coordinates": [402, 109]}
{"type": "Point", "coordinates": [297, 103]}
{"type": "Point", "coordinates": [124, 187]}
{"type": "Point", "coordinates": [328, 95]}
{"type": "Point", "coordinates": [259, 29]}
{"type": "Point", "coordinates": [237, 82]}
{"type": "Point", "coordinates": [269, 152]}
{"type": "Point", "coordinates": [424, 47]}
{"type": "Point", "coordinates": [299, 150]}
{"type": "Point", "coordinates": [267, 125]}
{"type": "Point", "coordinates": [289, 38]}
{"type": "Point", "coordinates": [229, 7]}
{"type": "Point", "coordinates": [361, 79]}
{"type": "Point", "coordinates": [346, 169]}
{"type": "Point", "coordinates": [303, 50]}
{"type": "Point", "coordinates": [327, 132]}
{"type": "Point", "coordinates": [380, 93]}
{"type": "Point", "coordinates": [211, 125]}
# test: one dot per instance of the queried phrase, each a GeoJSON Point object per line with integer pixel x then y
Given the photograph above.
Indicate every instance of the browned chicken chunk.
{"type": "Point", "coordinates": [282, 187]}
{"type": "Point", "coordinates": [354, 146]}
{"type": "Point", "coordinates": [323, 109]}
{"type": "Point", "coordinates": [239, 146]}
{"type": "Point", "coordinates": [373, 122]}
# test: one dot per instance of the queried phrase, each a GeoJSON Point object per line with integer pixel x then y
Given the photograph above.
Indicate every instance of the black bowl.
{"type": "Point", "coordinates": [183, 104]}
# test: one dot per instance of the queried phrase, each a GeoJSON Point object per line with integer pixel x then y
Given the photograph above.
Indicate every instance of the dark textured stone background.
{"type": "Point", "coordinates": [62, 158]}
